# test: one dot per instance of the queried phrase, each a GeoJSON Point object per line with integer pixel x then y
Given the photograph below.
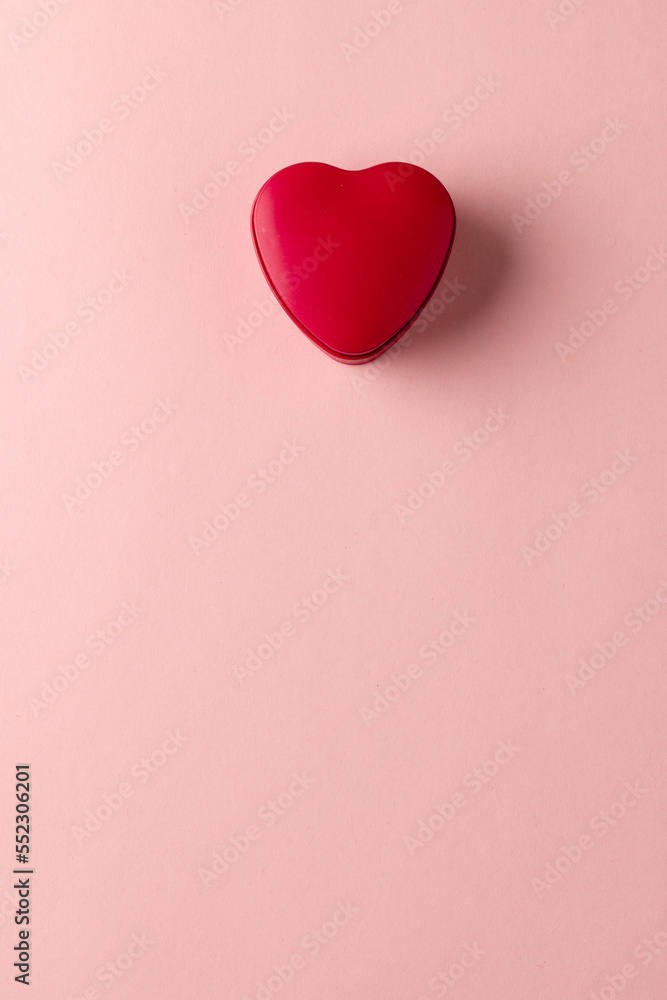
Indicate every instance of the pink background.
{"type": "Point", "coordinates": [537, 535]}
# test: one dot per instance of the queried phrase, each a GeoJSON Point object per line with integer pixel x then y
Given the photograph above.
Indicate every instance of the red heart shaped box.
{"type": "Point", "coordinates": [353, 256]}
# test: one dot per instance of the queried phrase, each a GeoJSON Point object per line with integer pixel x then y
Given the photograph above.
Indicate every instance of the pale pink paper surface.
{"type": "Point", "coordinates": [534, 88]}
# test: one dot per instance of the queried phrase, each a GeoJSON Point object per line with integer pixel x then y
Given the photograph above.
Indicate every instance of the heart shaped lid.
{"type": "Point", "coordinates": [353, 255]}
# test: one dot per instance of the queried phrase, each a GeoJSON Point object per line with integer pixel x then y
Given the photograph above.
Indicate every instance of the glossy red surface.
{"type": "Point", "coordinates": [353, 256]}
